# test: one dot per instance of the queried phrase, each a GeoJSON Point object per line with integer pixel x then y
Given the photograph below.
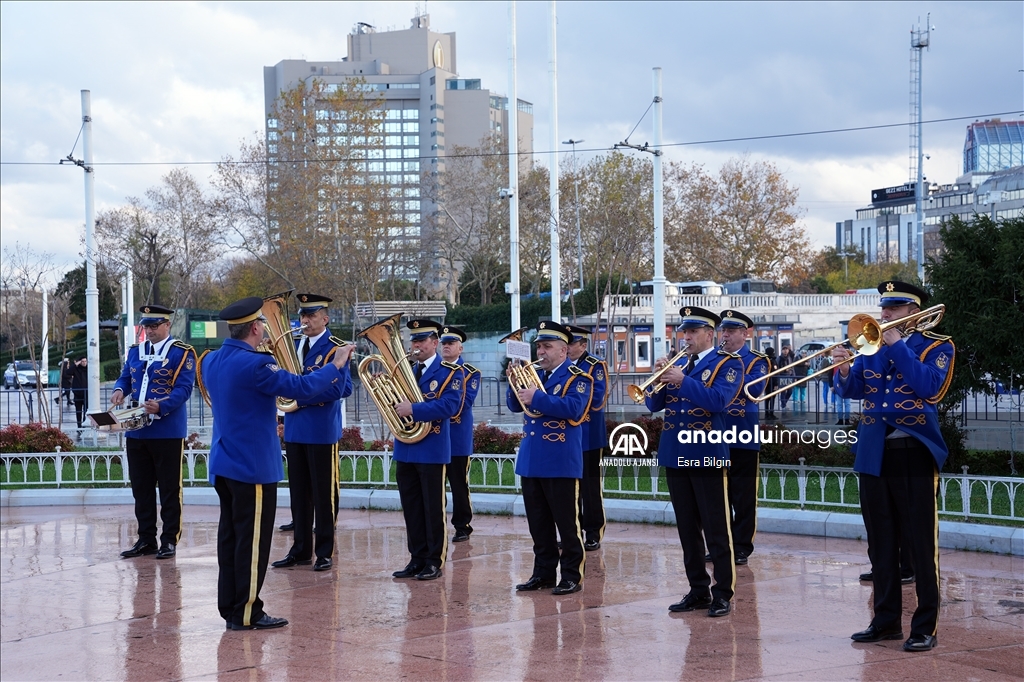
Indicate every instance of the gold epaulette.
{"type": "Point", "coordinates": [450, 365]}
{"type": "Point", "coordinates": [731, 355]}
{"type": "Point", "coordinates": [937, 337]}
{"type": "Point", "coordinates": [573, 369]}
{"type": "Point", "coordinates": [336, 341]}
{"type": "Point", "coordinates": [470, 368]}
{"type": "Point", "coordinates": [182, 344]}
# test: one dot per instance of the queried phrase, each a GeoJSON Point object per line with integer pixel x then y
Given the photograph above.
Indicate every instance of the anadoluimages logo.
{"type": "Point", "coordinates": [628, 440]}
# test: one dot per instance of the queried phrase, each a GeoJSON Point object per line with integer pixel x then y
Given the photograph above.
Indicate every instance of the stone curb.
{"type": "Point", "coordinates": [952, 534]}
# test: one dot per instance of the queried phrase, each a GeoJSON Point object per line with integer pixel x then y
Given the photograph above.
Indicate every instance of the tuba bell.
{"type": "Point", "coordinates": [524, 375]}
{"type": "Point", "coordinates": [398, 383]}
{"type": "Point", "coordinates": [280, 343]}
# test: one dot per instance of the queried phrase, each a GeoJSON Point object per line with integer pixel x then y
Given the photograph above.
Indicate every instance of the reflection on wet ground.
{"type": "Point", "coordinates": [72, 609]}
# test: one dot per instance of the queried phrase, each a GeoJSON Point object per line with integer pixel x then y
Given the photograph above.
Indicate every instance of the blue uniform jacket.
{"type": "Point", "coordinates": [744, 413]}
{"type": "Point", "coordinates": [441, 385]}
{"type": "Point", "coordinates": [696, 408]}
{"type": "Point", "coordinates": [595, 432]}
{"type": "Point", "coordinates": [318, 419]}
{"type": "Point", "coordinates": [243, 385]}
{"type": "Point", "coordinates": [462, 421]}
{"type": "Point", "coordinates": [171, 380]}
{"type": "Point", "coordinates": [552, 445]}
{"type": "Point", "coordinates": [899, 386]}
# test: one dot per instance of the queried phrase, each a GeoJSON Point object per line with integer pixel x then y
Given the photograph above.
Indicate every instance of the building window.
{"type": "Point", "coordinates": [393, 140]}
{"type": "Point", "coordinates": [392, 127]}
{"type": "Point", "coordinates": [411, 140]}
{"type": "Point", "coordinates": [411, 126]}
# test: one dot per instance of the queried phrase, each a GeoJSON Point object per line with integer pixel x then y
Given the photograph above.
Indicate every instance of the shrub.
{"type": "Point", "coordinates": [380, 445]}
{"type": "Point", "coordinates": [34, 438]}
{"type": "Point", "coordinates": [490, 440]}
{"type": "Point", "coordinates": [194, 443]}
{"type": "Point", "coordinates": [351, 439]}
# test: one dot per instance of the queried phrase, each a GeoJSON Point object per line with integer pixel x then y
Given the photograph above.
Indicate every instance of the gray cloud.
{"type": "Point", "coordinates": [183, 82]}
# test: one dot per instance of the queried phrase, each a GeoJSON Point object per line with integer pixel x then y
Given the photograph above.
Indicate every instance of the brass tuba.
{"type": "Point", "coordinates": [398, 383]}
{"type": "Point", "coordinates": [280, 341]}
{"type": "Point", "coordinates": [523, 375]}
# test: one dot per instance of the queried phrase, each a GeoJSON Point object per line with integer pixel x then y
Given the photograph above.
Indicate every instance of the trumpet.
{"type": "Point", "coordinates": [523, 376]}
{"type": "Point", "coordinates": [864, 334]}
{"type": "Point", "coordinates": [638, 392]}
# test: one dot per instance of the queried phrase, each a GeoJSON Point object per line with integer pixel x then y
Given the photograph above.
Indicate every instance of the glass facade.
{"type": "Point", "coordinates": [993, 146]}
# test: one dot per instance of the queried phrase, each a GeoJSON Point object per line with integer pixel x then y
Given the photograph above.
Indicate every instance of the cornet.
{"type": "Point", "coordinates": [653, 383]}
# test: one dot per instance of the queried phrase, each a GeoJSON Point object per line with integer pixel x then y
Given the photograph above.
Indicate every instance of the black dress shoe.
{"type": "Point", "coordinates": [591, 545]}
{"type": "Point", "coordinates": [264, 623]}
{"type": "Point", "coordinates": [741, 559]}
{"type": "Point", "coordinates": [536, 583]}
{"type": "Point", "coordinates": [166, 551]}
{"type": "Point", "coordinates": [720, 607]}
{"type": "Point", "coordinates": [907, 580]}
{"type": "Point", "coordinates": [691, 602]}
{"type": "Point", "coordinates": [409, 571]}
{"type": "Point", "coordinates": [567, 587]}
{"type": "Point", "coordinates": [288, 526]}
{"type": "Point", "coordinates": [707, 558]}
{"type": "Point", "coordinates": [867, 577]}
{"type": "Point", "coordinates": [876, 634]}
{"type": "Point", "coordinates": [322, 563]}
{"type": "Point", "coordinates": [429, 572]}
{"type": "Point", "coordinates": [460, 536]}
{"type": "Point", "coordinates": [290, 561]}
{"type": "Point", "coordinates": [920, 643]}
{"type": "Point", "coordinates": [139, 549]}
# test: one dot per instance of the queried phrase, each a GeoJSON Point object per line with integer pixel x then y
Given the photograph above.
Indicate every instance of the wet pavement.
{"type": "Point", "coordinates": [71, 609]}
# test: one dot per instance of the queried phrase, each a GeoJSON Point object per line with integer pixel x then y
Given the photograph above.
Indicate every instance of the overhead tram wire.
{"type": "Point", "coordinates": [752, 138]}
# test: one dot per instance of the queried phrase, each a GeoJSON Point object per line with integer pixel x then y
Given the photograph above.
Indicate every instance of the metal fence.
{"type": "Point", "coordinates": [797, 486]}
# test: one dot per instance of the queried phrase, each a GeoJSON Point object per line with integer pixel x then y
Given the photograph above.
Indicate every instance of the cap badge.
{"type": "Point", "coordinates": [146, 309]}
{"type": "Point", "coordinates": [543, 325]}
{"type": "Point", "coordinates": [728, 313]}
{"type": "Point", "coordinates": [686, 311]}
{"type": "Point", "coordinates": [305, 298]}
{"type": "Point", "coordinates": [890, 286]}
{"type": "Point", "coordinates": [415, 325]}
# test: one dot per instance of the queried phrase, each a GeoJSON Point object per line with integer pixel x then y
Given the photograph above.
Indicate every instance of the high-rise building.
{"type": "Point", "coordinates": [428, 110]}
{"type": "Point", "coordinates": [993, 145]}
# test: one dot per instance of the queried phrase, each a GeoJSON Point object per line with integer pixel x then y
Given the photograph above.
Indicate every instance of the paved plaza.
{"type": "Point", "coordinates": [73, 610]}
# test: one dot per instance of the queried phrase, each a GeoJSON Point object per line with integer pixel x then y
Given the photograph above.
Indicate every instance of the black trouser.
{"type": "Point", "coordinates": [421, 489]}
{"type": "Point", "coordinates": [313, 486]}
{"type": "Point", "coordinates": [458, 481]}
{"type": "Point", "coordinates": [153, 462]}
{"type": "Point", "coordinates": [554, 503]}
{"type": "Point", "coordinates": [700, 501]}
{"type": "Point", "coordinates": [81, 404]}
{"type": "Point", "coordinates": [903, 495]}
{"type": "Point", "coordinates": [743, 498]}
{"type": "Point", "coordinates": [243, 547]}
{"type": "Point", "coordinates": [592, 519]}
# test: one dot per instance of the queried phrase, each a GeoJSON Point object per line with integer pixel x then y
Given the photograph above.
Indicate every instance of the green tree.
{"type": "Point", "coordinates": [979, 277]}
{"type": "Point", "coordinates": [72, 286]}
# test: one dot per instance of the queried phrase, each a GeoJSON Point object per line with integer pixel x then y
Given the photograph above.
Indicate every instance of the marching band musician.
{"type": "Point", "coordinates": [595, 439]}
{"type": "Point", "coordinates": [698, 390]}
{"type": "Point", "coordinates": [420, 470]}
{"type": "Point", "coordinates": [159, 376]}
{"type": "Point", "coordinates": [550, 461]}
{"type": "Point", "coordinates": [245, 456]}
{"type": "Point", "coordinates": [461, 433]}
{"type": "Point", "coordinates": [899, 452]}
{"type": "Point", "coordinates": [311, 435]}
{"type": "Point", "coordinates": [744, 414]}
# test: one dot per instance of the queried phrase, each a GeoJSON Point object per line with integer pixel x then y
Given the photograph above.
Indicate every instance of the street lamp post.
{"type": "Point", "coordinates": [576, 186]}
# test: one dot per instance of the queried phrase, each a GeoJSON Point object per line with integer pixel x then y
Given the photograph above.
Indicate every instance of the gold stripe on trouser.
{"type": "Point", "coordinates": [444, 515]}
{"type": "Point", "coordinates": [254, 566]}
{"type": "Point", "coordinates": [181, 491]}
{"type": "Point", "coordinates": [757, 484]}
{"type": "Point", "coordinates": [935, 503]}
{"type": "Point", "coordinates": [335, 494]}
{"type": "Point", "coordinates": [579, 530]}
{"type": "Point", "coordinates": [469, 498]}
{"type": "Point", "coordinates": [728, 527]}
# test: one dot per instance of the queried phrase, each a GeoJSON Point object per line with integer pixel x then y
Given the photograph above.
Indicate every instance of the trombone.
{"type": "Point", "coordinates": [865, 335]}
{"type": "Point", "coordinates": [653, 383]}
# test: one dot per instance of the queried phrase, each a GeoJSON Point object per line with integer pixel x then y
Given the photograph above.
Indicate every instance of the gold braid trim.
{"type": "Point", "coordinates": [949, 373]}
{"type": "Point", "coordinates": [565, 392]}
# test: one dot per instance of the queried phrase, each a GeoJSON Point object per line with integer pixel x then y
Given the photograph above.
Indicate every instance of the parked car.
{"type": "Point", "coordinates": [22, 374]}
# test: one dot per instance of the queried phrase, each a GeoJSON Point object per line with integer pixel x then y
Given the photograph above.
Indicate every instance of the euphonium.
{"type": "Point", "coordinates": [524, 375]}
{"type": "Point", "coordinates": [397, 384]}
{"type": "Point", "coordinates": [275, 309]}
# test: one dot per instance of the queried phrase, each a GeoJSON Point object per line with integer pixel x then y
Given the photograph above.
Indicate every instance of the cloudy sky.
{"type": "Point", "coordinates": [182, 82]}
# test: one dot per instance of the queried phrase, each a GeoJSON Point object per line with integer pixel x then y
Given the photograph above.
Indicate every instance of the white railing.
{"type": "Point", "coordinates": [622, 303]}
{"type": "Point", "coordinates": [962, 495]}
